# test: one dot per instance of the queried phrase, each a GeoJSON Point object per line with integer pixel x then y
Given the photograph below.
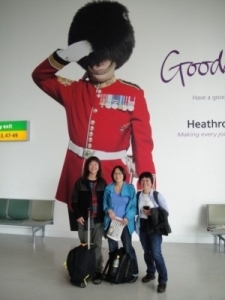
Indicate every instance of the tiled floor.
{"type": "Point", "coordinates": [196, 272]}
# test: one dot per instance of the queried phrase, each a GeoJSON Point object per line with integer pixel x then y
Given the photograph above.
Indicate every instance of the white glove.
{"type": "Point", "coordinates": [75, 51]}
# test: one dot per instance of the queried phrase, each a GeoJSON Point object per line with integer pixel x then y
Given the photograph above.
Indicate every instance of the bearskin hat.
{"type": "Point", "coordinates": [106, 25]}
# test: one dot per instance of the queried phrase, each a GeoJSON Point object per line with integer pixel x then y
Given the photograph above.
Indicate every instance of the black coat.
{"type": "Point", "coordinates": [81, 198]}
{"type": "Point", "coordinates": [157, 222]}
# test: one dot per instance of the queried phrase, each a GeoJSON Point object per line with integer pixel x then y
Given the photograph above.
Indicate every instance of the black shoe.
{"type": "Point", "coordinates": [161, 288]}
{"type": "Point", "coordinates": [147, 278]}
{"type": "Point", "coordinates": [133, 279]}
{"type": "Point", "coordinates": [97, 278]}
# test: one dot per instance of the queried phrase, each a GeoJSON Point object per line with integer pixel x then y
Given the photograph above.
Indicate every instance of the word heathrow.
{"type": "Point", "coordinates": [206, 124]}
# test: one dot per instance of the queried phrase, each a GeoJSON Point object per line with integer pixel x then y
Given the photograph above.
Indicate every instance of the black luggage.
{"type": "Point", "coordinates": [81, 262]}
{"type": "Point", "coordinates": [118, 268]}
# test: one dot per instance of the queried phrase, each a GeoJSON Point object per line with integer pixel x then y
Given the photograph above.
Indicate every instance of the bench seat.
{"type": "Point", "coordinates": [28, 213]}
{"type": "Point", "coordinates": [216, 221]}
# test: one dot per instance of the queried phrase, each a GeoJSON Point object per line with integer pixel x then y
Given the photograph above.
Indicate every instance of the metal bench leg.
{"type": "Point", "coordinates": [43, 233]}
{"type": "Point", "coordinates": [33, 238]}
{"type": "Point", "coordinates": [34, 230]}
{"type": "Point", "coordinates": [221, 238]}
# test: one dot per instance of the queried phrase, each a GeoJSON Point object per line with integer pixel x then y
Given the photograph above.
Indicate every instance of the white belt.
{"type": "Point", "coordinates": [102, 155]}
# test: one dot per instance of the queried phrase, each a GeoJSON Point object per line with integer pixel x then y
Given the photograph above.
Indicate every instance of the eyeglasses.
{"type": "Point", "coordinates": [146, 180]}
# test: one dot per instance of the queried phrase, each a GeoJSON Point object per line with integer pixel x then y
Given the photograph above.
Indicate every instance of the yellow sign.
{"type": "Point", "coordinates": [13, 131]}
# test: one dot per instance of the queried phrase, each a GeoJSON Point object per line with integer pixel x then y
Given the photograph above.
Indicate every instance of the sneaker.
{"type": "Point", "coordinates": [147, 278]}
{"type": "Point", "coordinates": [133, 279]}
{"type": "Point", "coordinates": [161, 288]}
{"type": "Point", "coordinates": [97, 278]}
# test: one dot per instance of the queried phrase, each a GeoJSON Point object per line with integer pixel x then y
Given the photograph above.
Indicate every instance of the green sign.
{"type": "Point", "coordinates": [13, 131]}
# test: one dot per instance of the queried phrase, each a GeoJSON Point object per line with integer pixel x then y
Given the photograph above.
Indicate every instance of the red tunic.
{"type": "Point", "coordinates": [107, 123]}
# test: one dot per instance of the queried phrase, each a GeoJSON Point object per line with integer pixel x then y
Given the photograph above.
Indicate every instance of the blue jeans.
{"type": "Point", "coordinates": [151, 244]}
{"type": "Point", "coordinates": [126, 239]}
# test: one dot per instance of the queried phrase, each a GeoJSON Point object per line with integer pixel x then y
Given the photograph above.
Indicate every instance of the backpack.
{"type": "Point", "coordinates": [81, 265]}
{"type": "Point", "coordinates": [163, 226]}
{"type": "Point", "coordinates": [123, 272]}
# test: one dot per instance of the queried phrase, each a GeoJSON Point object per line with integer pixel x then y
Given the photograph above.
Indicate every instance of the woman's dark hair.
{"type": "Point", "coordinates": [146, 175]}
{"type": "Point", "coordinates": [121, 170]}
{"type": "Point", "coordinates": [86, 167]}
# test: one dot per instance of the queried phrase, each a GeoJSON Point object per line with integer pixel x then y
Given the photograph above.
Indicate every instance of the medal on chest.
{"type": "Point", "coordinates": [110, 101]}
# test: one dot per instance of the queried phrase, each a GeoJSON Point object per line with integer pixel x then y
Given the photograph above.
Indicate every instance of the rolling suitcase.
{"type": "Point", "coordinates": [81, 262]}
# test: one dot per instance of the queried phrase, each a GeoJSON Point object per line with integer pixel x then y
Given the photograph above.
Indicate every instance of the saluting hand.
{"type": "Point", "coordinates": [75, 51]}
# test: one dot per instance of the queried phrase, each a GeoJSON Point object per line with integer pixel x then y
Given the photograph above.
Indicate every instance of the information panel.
{"type": "Point", "coordinates": [13, 131]}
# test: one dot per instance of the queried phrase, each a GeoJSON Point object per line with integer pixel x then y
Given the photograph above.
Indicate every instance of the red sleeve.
{"type": "Point", "coordinates": [45, 77]}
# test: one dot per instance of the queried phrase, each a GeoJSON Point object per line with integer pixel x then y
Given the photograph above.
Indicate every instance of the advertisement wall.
{"type": "Point", "coordinates": [179, 62]}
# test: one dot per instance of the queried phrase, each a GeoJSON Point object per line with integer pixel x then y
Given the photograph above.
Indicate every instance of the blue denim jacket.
{"type": "Point", "coordinates": [128, 190]}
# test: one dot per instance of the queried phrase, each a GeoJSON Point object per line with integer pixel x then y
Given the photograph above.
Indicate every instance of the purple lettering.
{"type": "Point", "coordinates": [218, 63]}
{"type": "Point", "coordinates": [189, 68]}
{"type": "Point", "coordinates": [206, 64]}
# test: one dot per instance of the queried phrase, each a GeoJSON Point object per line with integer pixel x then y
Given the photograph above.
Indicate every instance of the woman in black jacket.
{"type": "Point", "coordinates": [88, 194]}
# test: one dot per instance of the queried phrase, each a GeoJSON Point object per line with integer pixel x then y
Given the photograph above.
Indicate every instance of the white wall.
{"type": "Point", "coordinates": [190, 170]}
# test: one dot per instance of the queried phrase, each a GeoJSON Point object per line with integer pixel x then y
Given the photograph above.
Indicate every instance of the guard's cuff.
{"type": "Point", "coordinates": [56, 61]}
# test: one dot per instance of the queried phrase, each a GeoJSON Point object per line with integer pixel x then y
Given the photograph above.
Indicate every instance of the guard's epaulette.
{"type": "Point", "coordinates": [64, 81]}
{"type": "Point", "coordinates": [131, 84]}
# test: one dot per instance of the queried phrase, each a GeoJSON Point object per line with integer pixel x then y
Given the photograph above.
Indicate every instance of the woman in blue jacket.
{"type": "Point", "coordinates": [119, 201]}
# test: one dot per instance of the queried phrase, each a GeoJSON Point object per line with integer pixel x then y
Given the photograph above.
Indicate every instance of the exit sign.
{"type": "Point", "coordinates": [13, 131]}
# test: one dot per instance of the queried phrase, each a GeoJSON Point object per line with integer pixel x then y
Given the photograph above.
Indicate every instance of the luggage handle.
{"type": "Point", "coordinates": [89, 228]}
